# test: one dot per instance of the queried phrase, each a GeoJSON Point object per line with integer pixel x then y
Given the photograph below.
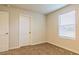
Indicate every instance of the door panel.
{"type": "Point", "coordinates": [24, 30]}
{"type": "Point", "coordinates": [4, 31]}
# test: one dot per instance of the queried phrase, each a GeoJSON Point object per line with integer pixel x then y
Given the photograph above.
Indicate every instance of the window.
{"type": "Point", "coordinates": [67, 25]}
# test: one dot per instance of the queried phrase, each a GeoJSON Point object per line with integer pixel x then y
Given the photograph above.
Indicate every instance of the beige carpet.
{"type": "Point", "coordinates": [40, 49]}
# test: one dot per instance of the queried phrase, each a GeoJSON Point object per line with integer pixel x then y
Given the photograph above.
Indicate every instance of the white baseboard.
{"type": "Point", "coordinates": [14, 48]}
{"type": "Point", "coordinates": [50, 43]}
{"type": "Point", "coordinates": [65, 48]}
{"type": "Point", "coordinates": [37, 43]}
{"type": "Point", "coordinates": [27, 45]}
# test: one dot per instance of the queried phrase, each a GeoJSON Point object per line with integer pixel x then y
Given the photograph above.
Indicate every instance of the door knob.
{"type": "Point", "coordinates": [6, 33]}
{"type": "Point", "coordinates": [29, 32]}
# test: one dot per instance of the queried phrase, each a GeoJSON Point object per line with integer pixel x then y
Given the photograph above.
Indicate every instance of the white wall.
{"type": "Point", "coordinates": [52, 29]}
{"type": "Point", "coordinates": [38, 25]}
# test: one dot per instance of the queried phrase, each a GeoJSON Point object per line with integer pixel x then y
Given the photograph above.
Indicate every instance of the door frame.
{"type": "Point", "coordinates": [30, 18]}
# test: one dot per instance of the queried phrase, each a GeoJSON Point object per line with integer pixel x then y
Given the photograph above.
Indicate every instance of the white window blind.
{"type": "Point", "coordinates": [67, 25]}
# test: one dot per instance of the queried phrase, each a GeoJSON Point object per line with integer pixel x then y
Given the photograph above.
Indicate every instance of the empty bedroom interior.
{"type": "Point", "coordinates": [40, 29]}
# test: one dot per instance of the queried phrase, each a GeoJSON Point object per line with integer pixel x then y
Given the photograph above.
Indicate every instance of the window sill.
{"type": "Point", "coordinates": [68, 38]}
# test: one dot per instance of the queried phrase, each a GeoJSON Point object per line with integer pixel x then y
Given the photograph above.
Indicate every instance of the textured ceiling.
{"type": "Point", "coordinates": [41, 8]}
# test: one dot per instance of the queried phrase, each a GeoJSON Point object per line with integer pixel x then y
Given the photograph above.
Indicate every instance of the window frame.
{"type": "Point", "coordinates": [66, 37]}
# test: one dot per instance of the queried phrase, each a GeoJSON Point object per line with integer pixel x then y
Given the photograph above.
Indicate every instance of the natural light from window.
{"type": "Point", "coordinates": [67, 25]}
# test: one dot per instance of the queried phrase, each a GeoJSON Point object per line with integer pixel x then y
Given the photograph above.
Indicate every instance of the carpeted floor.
{"type": "Point", "coordinates": [40, 49]}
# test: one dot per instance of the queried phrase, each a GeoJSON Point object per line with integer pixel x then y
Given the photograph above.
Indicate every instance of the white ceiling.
{"type": "Point", "coordinates": [41, 8]}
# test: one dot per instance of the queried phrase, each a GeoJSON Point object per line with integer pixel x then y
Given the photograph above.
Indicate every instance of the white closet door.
{"type": "Point", "coordinates": [4, 31]}
{"type": "Point", "coordinates": [24, 27]}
